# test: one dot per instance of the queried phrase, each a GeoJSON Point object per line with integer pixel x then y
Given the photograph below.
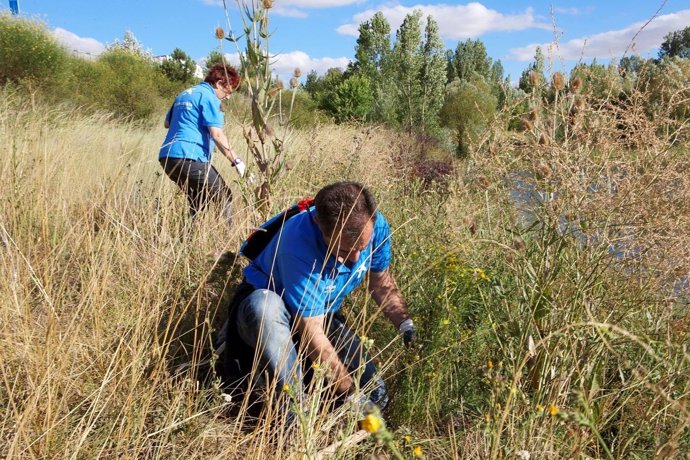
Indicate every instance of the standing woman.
{"type": "Point", "coordinates": [193, 121]}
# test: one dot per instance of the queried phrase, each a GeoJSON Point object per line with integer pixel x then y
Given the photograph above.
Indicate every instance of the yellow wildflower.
{"type": "Point", "coordinates": [417, 451]}
{"type": "Point", "coordinates": [407, 438]}
{"type": "Point", "coordinates": [490, 364]}
{"type": "Point", "coordinates": [286, 388]}
{"type": "Point", "coordinates": [539, 408]}
{"type": "Point", "coordinates": [446, 322]}
{"type": "Point", "coordinates": [371, 423]}
{"type": "Point", "coordinates": [553, 410]}
{"type": "Point", "coordinates": [316, 366]}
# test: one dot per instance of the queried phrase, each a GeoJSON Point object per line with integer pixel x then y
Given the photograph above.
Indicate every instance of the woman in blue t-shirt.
{"type": "Point", "coordinates": [194, 120]}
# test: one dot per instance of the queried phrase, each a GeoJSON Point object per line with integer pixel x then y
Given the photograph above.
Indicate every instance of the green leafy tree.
{"type": "Point", "coordinates": [470, 57]}
{"type": "Point", "coordinates": [406, 68]}
{"type": "Point", "coordinates": [179, 67]}
{"type": "Point", "coordinates": [433, 76]}
{"type": "Point", "coordinates": [372, 59]}
{"type": "Point", "coordinates": [351, 100]}
{"type": "Point", "coordinates": [130, 44]}
{"type": "Point", "coordinates": [214, 57]}
{"type": "Point", "coordinates": [469, 105]}
{"type": "Point", "coordinates": [676, 44]}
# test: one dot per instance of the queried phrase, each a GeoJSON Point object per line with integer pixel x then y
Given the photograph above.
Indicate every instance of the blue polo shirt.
{"type": "Point", "coordinates": [293, 265]}
{"type": "Point", "coordinates": [194, 111]}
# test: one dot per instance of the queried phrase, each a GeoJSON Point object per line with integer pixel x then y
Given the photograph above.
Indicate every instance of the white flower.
{"type": "Point", "coordinates": [523, 455]}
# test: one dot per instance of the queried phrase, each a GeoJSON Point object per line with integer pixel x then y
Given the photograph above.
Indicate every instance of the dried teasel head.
{"type": "Point", "coordinates": [558, 81]}
{"type": "Point", "coordinates": [518, 243]}
{"type": "Point", "coordinates": [483, 182]}
{"type": "Point", "coordinates": [543, 170]}
{"type": "Point", "coordinates": [471, 225]}
{"type": "Point", "coordinates": [220, 33]}
{"type": "Point", "coordinates": [533, 114]}
{"type": "Point", "coordinates": [268, 4]}
{"type": "Point", "coordinates": [533, 79]}
{"type": "Point", "coordinates": [543, 139]}
{"type": "Point", "coordinates": [294, 82]}
{"type": "Point", "coordinates": [576, 84]}
{"type": "Point", "coordinates": [297, 73]}
{"type": "Point", "coordinates": [526, 124]}
{"type": "Point", "coordinates": [493, 149]}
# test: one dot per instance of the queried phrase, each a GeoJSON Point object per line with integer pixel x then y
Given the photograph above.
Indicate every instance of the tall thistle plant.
{"type": "Point", "coordinates": [265, 143]}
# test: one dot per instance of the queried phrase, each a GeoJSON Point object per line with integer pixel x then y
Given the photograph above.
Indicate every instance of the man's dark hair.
{"type": "Point", "coordinates": [345, 208]}
{"type": "Point", "coordinates": [226, 74]}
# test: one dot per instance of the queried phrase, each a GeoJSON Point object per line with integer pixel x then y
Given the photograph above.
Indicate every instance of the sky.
{"type": "Point", "coordinates": [320, 34]}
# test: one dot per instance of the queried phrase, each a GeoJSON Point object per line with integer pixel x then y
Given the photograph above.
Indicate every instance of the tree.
{"type": "Point", "coordinates": [470, 57]}
{"type": "Point", "coordinates": [372, 56]}
{"type": "Point", "coordinates": [179, 67]}
{"type": "Point", "coordinates": [433, 76]}
{"type": "Point", "coordinates": [676, 44]}
{"type": "Point", "coordinates": [469, 105]}
{"type": "Point", "coordinates": [351, 99]}
{"type": "Point", "coordinates": [373, 46]}
{"type": "Point", "coordinates": [214, 57]}
{"type": "Point", "coordinates": [130, 44]}
{"type": "Point", "coordinates": [406, 68]}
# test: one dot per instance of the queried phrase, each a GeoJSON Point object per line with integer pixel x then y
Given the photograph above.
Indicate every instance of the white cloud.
{"type": "Point", "coordinates": [567, 10]}
{"type": "Point", "coordinates": [80, 45]}
{"type": "Point", "coordinates": [289, 12]}
{"type": "Point", "coordinates": [285, 64]}
{"type": "Point", "coordinates": [613, 43]}
{"type": "Point", "coordinates": [455, 22]}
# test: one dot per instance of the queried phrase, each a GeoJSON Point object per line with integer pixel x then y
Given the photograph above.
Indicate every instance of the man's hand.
{"type": "Point", "coordinates": [408, 332]}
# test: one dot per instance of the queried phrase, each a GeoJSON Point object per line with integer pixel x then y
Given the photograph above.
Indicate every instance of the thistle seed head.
{"type": "Point", "coordinates": [220, 33]}
{"type": "Point", "coordinates": [268, 4]}
{"type": "Point", "coordinates": [543, 170]}
{"type": "Point", "coordinates": [576, 84]}
{"type": "Point", "coordinates": [294, 82]}
{"type": "Point", "coordinates": [483, 182]}
{"type": "Point", "coordinates": [297, 73]}
{"type": "Point", "coordinates": [518, 243]}
{"type": "Point", "coordinates": [533, 79]}
{"type": "Point", "coordinates": [558, 81]}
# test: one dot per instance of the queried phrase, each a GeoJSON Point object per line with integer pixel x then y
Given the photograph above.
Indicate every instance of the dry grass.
{"type": "Point", "coordinates": [105, 288]}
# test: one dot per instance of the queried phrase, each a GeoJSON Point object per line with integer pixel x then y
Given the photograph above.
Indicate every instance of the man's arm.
{"type": "Point", "coordinates": [320, 350]}
{"type": "Point", "coordinates": [387, 296]}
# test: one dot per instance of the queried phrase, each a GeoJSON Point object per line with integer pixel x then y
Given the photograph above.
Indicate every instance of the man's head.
{"type": "Point", "coordinates": [345, 212]}
{"type": "Point", "coordinates": [223, 78]}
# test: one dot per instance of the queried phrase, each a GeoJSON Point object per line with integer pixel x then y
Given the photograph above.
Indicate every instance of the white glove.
{"type": "Point", "coordinates": [240, 166]}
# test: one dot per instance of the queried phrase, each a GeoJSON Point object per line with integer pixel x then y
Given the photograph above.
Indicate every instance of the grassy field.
{"type": "Point", "coordinates": [559, 336]}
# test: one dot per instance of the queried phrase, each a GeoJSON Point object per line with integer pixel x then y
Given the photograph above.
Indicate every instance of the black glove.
{"type": "Point", "coordinates": [408, 332]}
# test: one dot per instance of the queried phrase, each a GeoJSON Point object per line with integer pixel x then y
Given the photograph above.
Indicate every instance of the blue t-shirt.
{"type": "Point", "coordinates": [293, 265]}
{"type": "Point", "coordinates": [194, 111]}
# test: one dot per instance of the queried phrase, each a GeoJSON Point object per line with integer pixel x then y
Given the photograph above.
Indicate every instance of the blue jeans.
{"type": "Point", "coordinates": [264, 323]}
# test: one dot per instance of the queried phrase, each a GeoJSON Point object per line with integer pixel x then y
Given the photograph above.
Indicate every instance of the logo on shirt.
{"type": "Point", "coordinates": [361, 270]}
{"type": "Point", "coordinates": [329, 288]}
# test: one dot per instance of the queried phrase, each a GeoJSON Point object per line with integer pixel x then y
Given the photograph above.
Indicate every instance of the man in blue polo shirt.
{"type": "Point", "coordinates": [294, 288]}
{"type": "Point", "coordinates": [194, 120]}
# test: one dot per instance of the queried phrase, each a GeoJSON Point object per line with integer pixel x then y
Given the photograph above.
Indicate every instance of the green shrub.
{"type": "Point", "coordinates": [28, 53]}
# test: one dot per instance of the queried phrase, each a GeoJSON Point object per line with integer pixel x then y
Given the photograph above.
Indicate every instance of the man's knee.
{"type": "Point", "coordinates": [262, 308]}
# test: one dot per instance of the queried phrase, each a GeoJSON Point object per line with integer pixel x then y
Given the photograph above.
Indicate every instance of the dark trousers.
{"type": "Point", "coordinates": [200, 182]}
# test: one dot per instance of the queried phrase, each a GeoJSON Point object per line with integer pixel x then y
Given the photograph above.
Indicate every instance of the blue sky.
{"type": "Point", "coordinates": [318, 34]}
